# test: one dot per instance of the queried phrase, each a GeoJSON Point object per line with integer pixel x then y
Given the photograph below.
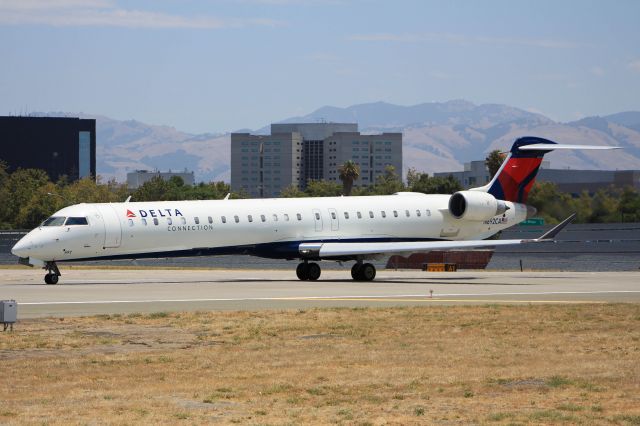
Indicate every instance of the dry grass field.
{"type": "Point", "coordinates": [543, 364]}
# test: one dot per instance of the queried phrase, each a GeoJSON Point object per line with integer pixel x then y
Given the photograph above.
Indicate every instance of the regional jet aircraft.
{"type": "Point", "coordinates": [310, 229]}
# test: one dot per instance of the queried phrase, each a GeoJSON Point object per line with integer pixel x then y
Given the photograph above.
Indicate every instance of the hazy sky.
{"type": "Point", "coordinates": [219, 65]}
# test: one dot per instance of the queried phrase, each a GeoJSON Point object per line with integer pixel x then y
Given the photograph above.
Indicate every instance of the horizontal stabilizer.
{"type": "Point", "coordinates": [551, 233]}
{"type": "Point", "coordinates": [553, 147]}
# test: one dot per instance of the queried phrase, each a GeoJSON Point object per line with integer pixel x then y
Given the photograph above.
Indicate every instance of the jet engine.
{"type": "Point", "coordinates": [475, 205]}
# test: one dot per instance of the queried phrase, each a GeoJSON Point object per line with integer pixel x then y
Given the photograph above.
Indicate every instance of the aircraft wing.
{"type": "Point", "coordinates": [337, 249]}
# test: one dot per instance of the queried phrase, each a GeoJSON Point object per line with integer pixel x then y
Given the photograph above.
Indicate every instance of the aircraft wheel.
{"type": "Point", "coordinates": [367, 272]}
{"type": "Point", "coordinates": [355, 271]}
{"type": "Point", "coordinates": [302, 271]}
{"type": "Point", "coordinates": [313, 271]}
{"type": "Point", "coordinates": [51, 279]}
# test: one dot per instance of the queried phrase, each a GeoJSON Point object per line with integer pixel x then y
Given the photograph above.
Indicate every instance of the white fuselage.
{"type": "Point", "coordinates": [262, 227]}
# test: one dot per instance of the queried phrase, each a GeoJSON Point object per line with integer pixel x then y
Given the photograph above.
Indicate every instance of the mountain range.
{"type": "Point", "coordinates": [437, 137]}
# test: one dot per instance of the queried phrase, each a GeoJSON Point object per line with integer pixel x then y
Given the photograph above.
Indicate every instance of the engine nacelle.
{"type": "Point", "coordinates": [475, 205]}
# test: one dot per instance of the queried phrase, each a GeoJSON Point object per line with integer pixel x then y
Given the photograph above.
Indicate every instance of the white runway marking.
{"type": "Point", "coordinates": [381, 297]}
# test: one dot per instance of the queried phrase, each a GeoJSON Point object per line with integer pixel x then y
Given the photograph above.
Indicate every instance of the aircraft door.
{"type": "Point", "coordinates": [335, 224]}
{"type": "Point", "coordinates": [317, 218]}
{"type": "Point", "coordinates": [112, 227]}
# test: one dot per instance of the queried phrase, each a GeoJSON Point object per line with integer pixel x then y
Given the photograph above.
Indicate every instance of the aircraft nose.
{"type": "Point", "coordinates": [22, 247]}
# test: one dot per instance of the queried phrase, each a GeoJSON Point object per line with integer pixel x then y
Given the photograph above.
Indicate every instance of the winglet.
{"type": "Point", "coordinates": [550, 234]}
{"type": "Point", "coordinates": [128, 199]}
{"type": "Point", "coordinates": [227, 196]}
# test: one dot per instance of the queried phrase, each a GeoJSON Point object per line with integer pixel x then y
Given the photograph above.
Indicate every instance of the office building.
{"type": "Point", "coordinates": [140, 177]}
{"type": "Point", "coordinates": [262, 165]}
{"type": "Point", "coordinates": [61, 146]}
{"type": "Point", "coordinates": [373, 153]}
{"type": "Point", "coordinates": [296, 153]}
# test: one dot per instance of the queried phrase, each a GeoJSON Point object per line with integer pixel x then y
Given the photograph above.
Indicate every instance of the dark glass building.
{"type": "Point", "coordinates": [61, 146]}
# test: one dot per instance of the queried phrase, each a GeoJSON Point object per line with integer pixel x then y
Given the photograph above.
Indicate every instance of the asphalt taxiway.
{"type": "Point", "coordinates": [109, 291]}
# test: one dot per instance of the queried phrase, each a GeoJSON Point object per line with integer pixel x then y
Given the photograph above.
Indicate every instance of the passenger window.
{"type": "Point", "coordinates": [286, 217]}
{"type": "Point", "coordinates": [395, 213]}
{"type": "Point", "coordinates": [76, 221]}
{"type": "Point", "coordinates": [262, 218]}
{"type": "Point", "coordinates": [333, 215]}
{"type": "Point", "coordinates": [155, 221]}
{"type": "Point", "coordinates": [299, 216]}
{"type": "Point", "coordinates": [418, 213]}
{"type": "Point", "coordinates": [359, 215]}
{"type": "Point", "coordinates": [236, 218]}
{"type": "Point", "coordinates": [370, 214]}
{"type": "Point", "coordinates": [144, 222]}
{"type": "Point", "coordinates": [317, 216]}
{"type": "Point", "coordinates": [183, 220]}
{"type": "Point", "coordinates": [407, 213]}
{"type": "Point", "coordinates": [383, 214]}
{"type": "Point", "coordinates": [169, 221]}
{"type": "Point", "coordinates": [196, 220]}
{"type": "Point", "coordinates": [275, 217]}
{"type": "Point", "coordinates": [250, 218]}
{"type": "Point", "coordinates": [346, 215]}
{"type": "Point", "coordinates": [210, 219]}
{"type": "Point", "coordinates": [130, 222]}
{"type": "Point", "coordinates": [224, 219]}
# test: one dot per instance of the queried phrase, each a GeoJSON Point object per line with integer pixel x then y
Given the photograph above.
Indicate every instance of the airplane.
{"type": "Point", "coordinates": [357, 228]}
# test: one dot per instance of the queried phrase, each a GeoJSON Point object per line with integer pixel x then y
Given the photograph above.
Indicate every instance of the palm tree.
{"type": "Point", "coordinates": [494, 161]}
{"type": "Point", "coordinates": [349, 172]}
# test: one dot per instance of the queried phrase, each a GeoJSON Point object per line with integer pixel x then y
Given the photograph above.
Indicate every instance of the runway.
{"type": "Point", "coordinates": [109, 291]}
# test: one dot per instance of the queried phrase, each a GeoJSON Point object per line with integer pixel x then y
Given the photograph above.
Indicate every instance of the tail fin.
{"type": "Point", "coordinates": [516, 176]}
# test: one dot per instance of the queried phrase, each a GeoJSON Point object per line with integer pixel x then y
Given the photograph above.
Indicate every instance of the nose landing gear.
{"type": "Point", "coordinates": [53, 273]}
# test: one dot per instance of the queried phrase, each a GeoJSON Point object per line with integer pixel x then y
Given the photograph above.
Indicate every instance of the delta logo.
{"type": "Point", "coordinates": [155, 213]}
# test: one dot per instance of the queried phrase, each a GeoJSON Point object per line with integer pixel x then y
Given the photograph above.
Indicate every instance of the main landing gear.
{"type": "Point", "coordinates": [53, 273]}
{"type": "Point", "coordinates": [363, 271]}
{"type": "Point", "coordinates": [309, 271]}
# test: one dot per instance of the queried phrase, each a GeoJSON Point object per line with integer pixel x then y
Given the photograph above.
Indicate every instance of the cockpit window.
{"type": "Point", "coordinates": [54, 221]}
{"type": "Point", "coordinates": [76, 221]}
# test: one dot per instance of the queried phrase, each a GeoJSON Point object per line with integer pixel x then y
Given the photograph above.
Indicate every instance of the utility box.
{"type": "Point", "coordinates": [8, 312]}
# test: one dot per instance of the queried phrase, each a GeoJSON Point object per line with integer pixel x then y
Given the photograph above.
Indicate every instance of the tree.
{"type": "Point", "coordinates": [412, 176]}
{"type": "Point", "coordinates": [156, 189]}
{"type": "Point", "coordinates": [38, 207]}
{"type": "Point", "coordinates": [388, 183]}
{"type": "Point", "coordinates": [552, 205]}
{"type": "Point", "coordinates": [18, 190]}
{"type": "Point", "coordinates": [494, 161]}
{"type": "Point", "coordinates": [421, 182]}
{"type": "Point", "coordinates": [323, 188]}
{"type": "Point", "coordinates": [292, 191]}
{"type": "Point", "coordinates": [206, 191]}
{"type": "Point", "coordinates": [604, 207]}
{"type": "Point", "coordinates": [349, 172]}
{"type": "Point", "coordinates": [629, 205]}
